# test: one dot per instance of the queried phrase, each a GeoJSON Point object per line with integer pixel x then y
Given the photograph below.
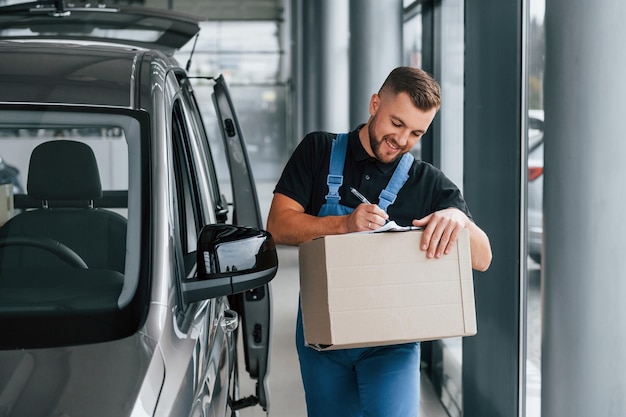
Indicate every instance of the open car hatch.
{"type": "Point", "coordinates": [164, 30]}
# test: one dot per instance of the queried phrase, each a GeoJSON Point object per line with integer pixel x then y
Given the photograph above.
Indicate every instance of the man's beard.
{"type": "Point", "coordinates": [376, 144]}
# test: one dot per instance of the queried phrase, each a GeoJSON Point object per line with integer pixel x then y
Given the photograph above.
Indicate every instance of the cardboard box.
{"type": "Point", "coordinates": [6, 203]}
{"type": "Point", "coordinates": [378, 289]}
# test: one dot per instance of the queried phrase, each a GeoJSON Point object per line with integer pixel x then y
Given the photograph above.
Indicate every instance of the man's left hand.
{"type": "Point", "coordinates": [441, 230]}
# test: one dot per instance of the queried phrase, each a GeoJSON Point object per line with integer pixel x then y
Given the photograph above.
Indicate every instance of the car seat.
{"type": "Point", "coordinates": [64, 176]}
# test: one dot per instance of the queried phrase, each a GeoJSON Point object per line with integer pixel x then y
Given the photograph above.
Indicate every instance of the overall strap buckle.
{"type": "Point", "coordinates": [335, 169]}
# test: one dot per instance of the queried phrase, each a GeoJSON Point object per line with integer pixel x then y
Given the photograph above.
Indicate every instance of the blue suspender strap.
{"type": "Point", "coordinates": [335, 170]}
{"type": "Point", "coordinates": [399, 177]}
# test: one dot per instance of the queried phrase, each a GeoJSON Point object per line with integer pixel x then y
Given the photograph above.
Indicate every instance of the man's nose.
{"type": "Point", "coordinates": [403, 138]}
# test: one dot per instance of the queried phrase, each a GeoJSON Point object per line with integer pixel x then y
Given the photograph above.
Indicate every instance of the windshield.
{"type": "Point", "coordinates": [70, 216]}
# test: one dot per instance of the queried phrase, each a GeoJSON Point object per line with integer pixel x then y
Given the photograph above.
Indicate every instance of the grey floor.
{"type": "Point", "coordinates": [285, 385]}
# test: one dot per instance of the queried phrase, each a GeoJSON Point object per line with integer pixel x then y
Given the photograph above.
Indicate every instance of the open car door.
{"type": "Point", "coordinates": [253, 306]}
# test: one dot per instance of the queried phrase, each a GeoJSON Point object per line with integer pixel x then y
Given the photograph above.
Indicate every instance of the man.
{"type": "Point", "coordinates": [375, 160]}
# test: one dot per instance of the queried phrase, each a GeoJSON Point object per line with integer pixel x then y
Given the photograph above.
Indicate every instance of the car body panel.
{"type": "Point", "coordinates": [56, 376]}
{"type": "Point", "coordinates": [89, 77]}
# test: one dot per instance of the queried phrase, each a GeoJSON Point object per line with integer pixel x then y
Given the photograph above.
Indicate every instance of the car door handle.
{"type": "Point", "coordinates": [230, 321]}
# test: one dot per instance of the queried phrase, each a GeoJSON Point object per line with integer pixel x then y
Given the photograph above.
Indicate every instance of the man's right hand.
{"type": "Point", "coordinates": [366, 217]}
{"type": "Point", "coordinates": [290, 225]}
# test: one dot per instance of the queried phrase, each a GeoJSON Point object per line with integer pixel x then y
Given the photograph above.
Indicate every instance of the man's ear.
{"type": "Point", "coordinates": [374, 104]}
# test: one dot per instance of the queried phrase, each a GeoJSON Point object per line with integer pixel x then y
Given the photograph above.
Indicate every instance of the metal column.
{"type": "Point", "coordinates": [324, 65]}
{"type": "Point", "coordinates": [493, 178]}
{"type": "Point", "coordinates": [584, 337]}
{"type": "Point", "coordinates": [375, 49]}
{"type": "Point", "coordinates": [334, 88]}
{"type": "Point", "coordinates": [310, 69]}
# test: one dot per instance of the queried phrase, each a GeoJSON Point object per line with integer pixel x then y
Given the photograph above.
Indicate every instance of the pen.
{"type": "Point", "coordinates": [359, 196]}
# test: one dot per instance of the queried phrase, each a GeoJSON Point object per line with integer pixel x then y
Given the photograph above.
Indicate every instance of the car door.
{"type": "Point", "coordinates": [253, 306]}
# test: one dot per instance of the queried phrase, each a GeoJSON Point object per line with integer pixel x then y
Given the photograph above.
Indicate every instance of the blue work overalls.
{"type": "Point", "coordinates": [361, 382]}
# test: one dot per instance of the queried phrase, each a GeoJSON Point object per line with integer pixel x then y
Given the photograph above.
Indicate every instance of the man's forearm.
{"type": "Point", "coordinates": [295, 228]}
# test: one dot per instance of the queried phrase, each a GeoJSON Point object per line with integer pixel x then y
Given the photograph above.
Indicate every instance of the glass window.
{"type": "Point", "coordinates": [225, 47]}
{"type": "Point", "coordinates": [412, 38]}
{"type": "Point", "coordinates": [253, 71]}
{"type": "Point", "coordinates": [189, 221]}
{"type": "Point", "coordinates": [442, 359]}
{"type": "Point", "coordinates": [216, 210]}
{"type": "Point", "coordinates": [412, 50]}
{"type": "Point", "coordinates": [534, 220]}
{"type": "Point", "coordinates": [68, 205]}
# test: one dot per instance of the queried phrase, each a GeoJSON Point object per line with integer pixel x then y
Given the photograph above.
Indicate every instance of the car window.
{"type": "Point", "coordinates": [194, 206]}
{"type": "Point", "coordinates": [186, 201]}
{"type": "Point", "coordinates": [66, 233]}
{"type": "Point", "coordinates": [216, 208]}
{"type": "Point", "coordinates": [189, 222]}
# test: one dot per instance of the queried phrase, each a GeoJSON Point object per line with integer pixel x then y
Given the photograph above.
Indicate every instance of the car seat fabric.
{"type": "Point", "coordinates": [63, 170]}
{"type": "Point", "coordinates": [64, 175]}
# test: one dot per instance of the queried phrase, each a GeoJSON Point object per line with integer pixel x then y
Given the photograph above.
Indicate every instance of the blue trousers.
{"type": "Point", "coordinates": [362, 382]}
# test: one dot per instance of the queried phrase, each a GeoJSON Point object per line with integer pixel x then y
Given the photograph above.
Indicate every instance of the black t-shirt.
{"type": "Point", "coordinates": [304, 180]}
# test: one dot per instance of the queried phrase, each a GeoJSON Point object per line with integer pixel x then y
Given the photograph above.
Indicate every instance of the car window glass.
{"type": "Point", "coordinates": [216, 208]}
{"type": "Point", "coordinates": [65, 224]}
{"type": "Point", "coordinates": [188, 203]}
{"type": "Point", "coordinates": [188, 213]}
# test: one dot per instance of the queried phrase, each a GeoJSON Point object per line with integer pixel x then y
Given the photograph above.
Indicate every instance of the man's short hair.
{"type": "Point", "coordinates": [424, 91]}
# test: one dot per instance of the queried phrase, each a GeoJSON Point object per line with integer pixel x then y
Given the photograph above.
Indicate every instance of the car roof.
{"type": "Point", "coordinates": [164, 30]}
{"type": "Point", "coordinates": [75, 74]}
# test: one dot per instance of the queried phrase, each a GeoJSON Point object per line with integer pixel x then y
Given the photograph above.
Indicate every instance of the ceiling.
{"type": "Point", "coordinates": [209, 9]}
{"type": "Point", "coordinates": [223, 9]}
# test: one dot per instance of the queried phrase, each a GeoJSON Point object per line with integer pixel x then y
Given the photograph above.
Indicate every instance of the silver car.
{"type": "Point", "coordinates": [126, 274]}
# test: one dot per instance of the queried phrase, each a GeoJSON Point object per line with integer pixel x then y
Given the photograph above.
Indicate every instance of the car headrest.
{"type": "Point", "coordinates": [63, 170]}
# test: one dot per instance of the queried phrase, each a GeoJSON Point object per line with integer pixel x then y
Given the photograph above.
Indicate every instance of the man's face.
{"type": "Point", "coordinates": [395, 125]}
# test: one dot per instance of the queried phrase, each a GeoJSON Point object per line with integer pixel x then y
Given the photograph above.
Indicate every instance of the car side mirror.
{"type": "Point", "coordinates": [231, 259]}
